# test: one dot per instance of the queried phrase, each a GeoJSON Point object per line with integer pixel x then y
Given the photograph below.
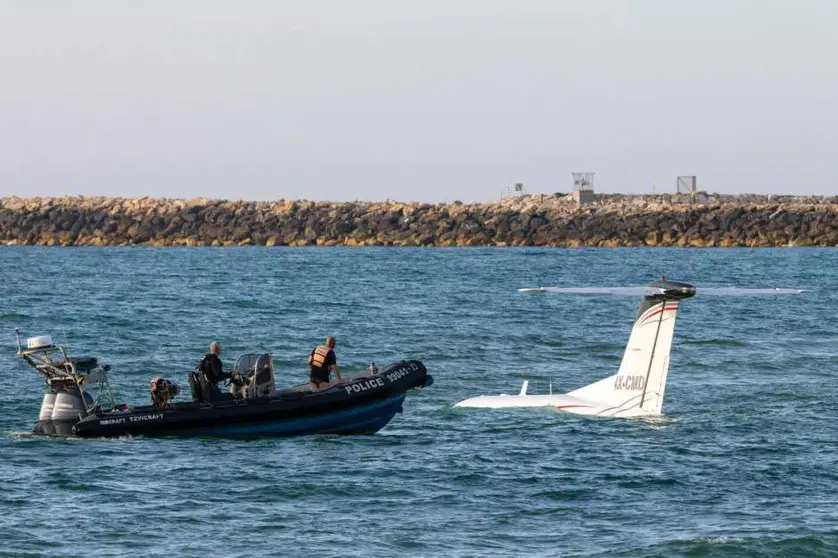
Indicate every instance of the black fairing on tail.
{"type": "Point", "coordinates": [673, 290]}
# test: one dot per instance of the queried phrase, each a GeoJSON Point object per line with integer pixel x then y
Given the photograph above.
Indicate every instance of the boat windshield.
{"type": "Point", "coordinates": [252, 362]}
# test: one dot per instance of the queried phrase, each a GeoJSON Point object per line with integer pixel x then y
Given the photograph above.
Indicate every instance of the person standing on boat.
{"type": "Point", "coordinates": [323, 363]}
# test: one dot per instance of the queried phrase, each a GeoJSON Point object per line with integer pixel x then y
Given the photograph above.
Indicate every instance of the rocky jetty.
{"type": "Point", "coordinates": [612, 220]}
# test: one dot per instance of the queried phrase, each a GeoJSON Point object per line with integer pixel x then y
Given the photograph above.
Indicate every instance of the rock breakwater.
{"type": "Point", "coordinates": [526, 221]}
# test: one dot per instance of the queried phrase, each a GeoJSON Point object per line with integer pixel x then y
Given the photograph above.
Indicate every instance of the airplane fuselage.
{"type": "Point", "coordinates": [560, 402]}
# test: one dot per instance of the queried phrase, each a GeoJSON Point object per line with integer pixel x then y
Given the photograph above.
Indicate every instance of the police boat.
{"type": "Point", "coordinates": [80, 403]}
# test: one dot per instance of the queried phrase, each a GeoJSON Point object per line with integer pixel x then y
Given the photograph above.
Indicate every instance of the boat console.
{"type": "Point", "coordinates": [253, 373]}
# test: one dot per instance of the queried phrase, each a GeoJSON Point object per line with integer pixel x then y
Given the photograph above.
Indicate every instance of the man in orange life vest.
{"type": "Point", "coordinates": [323, 362]}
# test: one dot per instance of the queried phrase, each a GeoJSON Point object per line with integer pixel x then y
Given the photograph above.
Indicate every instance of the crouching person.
{"type": "Point", "coordinates": [162, 391]}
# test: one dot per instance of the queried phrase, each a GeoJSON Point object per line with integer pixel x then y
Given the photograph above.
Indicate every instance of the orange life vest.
{"type": "Point", "coordinates": [318, 359]}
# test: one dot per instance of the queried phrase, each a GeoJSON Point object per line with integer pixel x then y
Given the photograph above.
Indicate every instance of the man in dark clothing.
{"type": "Point", "coordinates": [323, 362]}
{"type": "Point", "coordinates": [212, 372]}
{"type": "Point", "coordinates": [211, 365]}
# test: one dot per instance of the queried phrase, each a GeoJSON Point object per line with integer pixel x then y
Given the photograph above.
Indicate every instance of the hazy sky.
{"type": "Point", "coordinates": [415, 100]}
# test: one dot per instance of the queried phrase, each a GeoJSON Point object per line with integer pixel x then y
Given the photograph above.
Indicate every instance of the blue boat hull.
{"type": "Point", "coordinates": [361, 405]}
{"type": "Point", "coordinates": [366, 419]}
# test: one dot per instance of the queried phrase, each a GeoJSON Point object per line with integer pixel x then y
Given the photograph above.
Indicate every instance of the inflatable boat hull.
{"type": "Point", "coordinates": [360, 406]}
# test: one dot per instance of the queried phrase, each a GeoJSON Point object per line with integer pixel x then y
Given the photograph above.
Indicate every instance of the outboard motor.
{"type": "Point", "coordinates": [46, 406]}
{"type": "Point", "coordinates": [68, 408]}
{"type": "Point", "coordinates": [69, 405]}
{"type": "Point", "coordinates": [45, 416]}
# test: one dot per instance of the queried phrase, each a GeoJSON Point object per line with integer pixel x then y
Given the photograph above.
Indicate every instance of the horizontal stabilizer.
{"type": "Point", "coordinates": [737, 291]}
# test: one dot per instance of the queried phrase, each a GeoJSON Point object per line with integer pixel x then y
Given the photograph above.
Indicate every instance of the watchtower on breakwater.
{"type": "Point", "coordinates": [515, 191]}
{"type": "Point", "coordinates": [686, 186]}
{"type": "Point", "coordinates": [583, 187]}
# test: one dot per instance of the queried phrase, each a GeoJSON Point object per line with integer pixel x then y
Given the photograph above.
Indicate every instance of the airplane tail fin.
{"type": "Point", "coordinates": [638, 387]}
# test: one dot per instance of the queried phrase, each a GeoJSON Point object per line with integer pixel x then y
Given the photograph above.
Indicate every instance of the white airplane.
{"type": "Point", "coordinates": [638, 387]}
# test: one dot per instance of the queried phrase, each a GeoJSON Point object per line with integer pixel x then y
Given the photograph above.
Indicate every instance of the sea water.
{"type": "Point", "coordinates": [742, 464]}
